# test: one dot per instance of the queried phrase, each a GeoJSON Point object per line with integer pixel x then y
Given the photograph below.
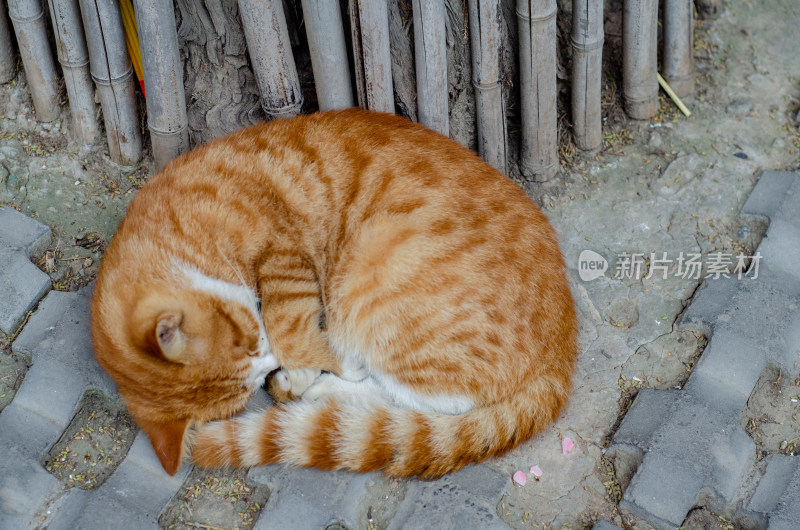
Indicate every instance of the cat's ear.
{"type": "Point", "coordinates": [167, 441]}
{"type": "Point", "coordinates": [169, 336]}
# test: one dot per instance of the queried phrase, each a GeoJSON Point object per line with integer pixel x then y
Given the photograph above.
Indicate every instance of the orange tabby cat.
{"type": "Point", "coordinates": [424, 284]}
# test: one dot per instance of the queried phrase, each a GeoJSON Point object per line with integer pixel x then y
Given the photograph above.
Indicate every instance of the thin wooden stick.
{"type": "Point", "coordinates": [673, 96]}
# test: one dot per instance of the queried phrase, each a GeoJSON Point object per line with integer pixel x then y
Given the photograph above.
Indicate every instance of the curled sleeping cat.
{"type": "Point", "coordinates": [414, 299]}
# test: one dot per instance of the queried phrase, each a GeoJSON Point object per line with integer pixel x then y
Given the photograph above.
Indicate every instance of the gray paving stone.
{"type": "Point", "coordinates": [691, 440]}
{"type": "Point", "coordinates": [786, 513]}
{"type": "Point", "coordinates": [59, 333]}
{"type": "Point", "coordinates": [727, 371]}
{"type": "Point", "coordinates": [647, 414]}
{"type": "Point", "coordinates": [689, 446]}
{"type": "Point", "coordinates": [19, 231]}
{"type": "Point", "coordinates": [768, 194]}
{"type": "Point", "coordinates": [708, 302]}
{"type": "Point", "coordinates": [22, 284]}
{"type": "Point", "coordinates": [753, 309]}
{"type": "Point", "coordinates": [465, 499]}
{"type": "Point", "coordinates": [789, 210]}
{"type": "Point", "coordinates": [775, 481]}
{"type": "Point", "coordinates": [132, 498]}
{"type": "Point", "coordinates": [663, 491]}
{"type": "Point", "coordinates": [24, 483]}
{"type": "Point", "coordinates": [309, 498]}
{"type": "Point", "coordinates": [781, 247]}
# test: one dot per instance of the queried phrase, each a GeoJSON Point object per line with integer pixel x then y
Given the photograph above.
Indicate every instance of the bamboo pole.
{"type": "Point", "coordinates": [113, 75]}
{"type": "Point", "coordinates": [328, 52]}
{"type": "Point", "coordinates": [270, 53]}
{"type": "Point", "coordinates": [487, 55]}
{"type": "Point", "coordinates": [163, 77]}
{"type": "Point", "coordinates": [369, 26]}
{"type": "Point", "coordinates": [537, 38]}
{"type": "Point", "coordinates": [74, 58]}
{"type": "Point", "coordinates": [677, 56]}
{"type": "Point", "coordinates": [430, 54]}
{"type": "Point", "coordinates": [639, 58]}
{"type": "Point", "coordinates": [27, 16]}
{"type": "Point", "coordinates": [8, 60]}
{"type": "Point", "coordinates": [587, 66]}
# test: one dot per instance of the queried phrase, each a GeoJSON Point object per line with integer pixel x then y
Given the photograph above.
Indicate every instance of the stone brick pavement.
{"type": "Point", "coordinates": [685, 445]}
{"type": "Point", "coordinates": [688, 445]}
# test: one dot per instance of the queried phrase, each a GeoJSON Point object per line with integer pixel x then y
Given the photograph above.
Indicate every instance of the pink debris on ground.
{"type": "Point", "coordinates": [520, 478]}
{"type": "Point", "coordinates": [536, 471]}
{"type": "Point", "coordinates": [566, 446]}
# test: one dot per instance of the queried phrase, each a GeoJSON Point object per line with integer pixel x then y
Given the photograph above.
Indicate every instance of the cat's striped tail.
{"type": "Point", "coordinates": [363, 437]}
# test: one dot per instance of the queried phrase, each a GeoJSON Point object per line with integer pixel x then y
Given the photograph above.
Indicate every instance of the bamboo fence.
{"type": "Point", "coordinates": [351, 58]}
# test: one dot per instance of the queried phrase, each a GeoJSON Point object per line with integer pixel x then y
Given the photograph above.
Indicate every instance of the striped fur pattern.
{"type": "Point", "coordinates": [424, 286]}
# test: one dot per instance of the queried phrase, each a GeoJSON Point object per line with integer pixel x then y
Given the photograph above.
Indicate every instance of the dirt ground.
{"type": "Point", "coordinates": [671, 184]}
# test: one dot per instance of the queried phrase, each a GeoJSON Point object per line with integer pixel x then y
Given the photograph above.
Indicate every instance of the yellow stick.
{"type": "Point", "coordinates": [673, 95]}
{"type": "Point", "coordinates": [131, 37]}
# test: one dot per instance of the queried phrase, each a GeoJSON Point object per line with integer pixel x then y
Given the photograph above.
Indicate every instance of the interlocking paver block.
{"type": "Point", "coordinates": [663, 491]}
{"type": "Point", "coordinates": [309, 498]}
{"type": "Point", "coordinates": [58, 340]}
{"type": "Point", "coordinates": [765, 311]}
{"type": "Point", "coordinates": [689, 446]}
{"type": "Point", "coordinates": [59, 333]}
{"type": "Point", "coordinates": [22, 284]}
{"type": "Point", "coordinates": [789, 210]}
{"type": "Point", "coordinates": [24, 483]}
{"type": "Point", "coordinates": [727, 371]}
{"type": "Point", "coordinates": [19, 231]}
{"type": "Point", "coordinates": [708, 302]}
{"type": "Point", "coordinates": [696, 443]}
{"type": "Point", "coordinates": [781, 247]}
{"type": "Point", "coordinates": [132, 498]}
{"type": "Point", "coordinates": [768, 195]}
{"type": "Point", "coordinates": [647, 413]}
{"type": "Point", "coordinates": [465, 499]}
{"type": "Point", "coordinates": [775, 481]}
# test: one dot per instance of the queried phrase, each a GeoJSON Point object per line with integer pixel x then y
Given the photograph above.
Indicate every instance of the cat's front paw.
{"type": "Point", "coordinates": [289, 384]}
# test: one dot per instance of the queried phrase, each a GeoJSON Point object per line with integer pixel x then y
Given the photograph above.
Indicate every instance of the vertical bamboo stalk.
{"type": "Point", "coordinates": [27, 16]}
{"type": "Point", "coordinates": [639, 58]}
{"type": "Point", "coordinates": [163, 77]}
{"type": "Point", "coordinates": [270, 53]}
{"type": "Point", "coordinates": [8, 60]}
{"type": "Point", "coordinates": [587, 65]}
{"type": "Point", "coordinates": [430, 57]}
{"type": "Point", "coordinates": [537, 38]}
{"type": "Point", "coordinates": [369, 24]}
{"type": "Point", "coordinates": [113, 75]}
{"type": "Point", "coordinates": [677, 57]}
{"type": "Point", "coordinates": [487, 53]}
{"type": "Point", "coordinates": [74, 58]}
{"type": "Point", "coordinates": [328, 53]}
